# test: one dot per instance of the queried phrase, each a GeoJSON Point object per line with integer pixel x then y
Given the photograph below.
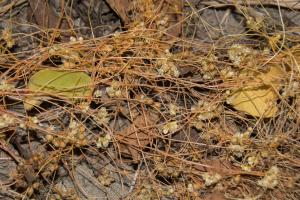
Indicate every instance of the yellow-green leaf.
{"type": "Point", "coordinates": [61, 83]}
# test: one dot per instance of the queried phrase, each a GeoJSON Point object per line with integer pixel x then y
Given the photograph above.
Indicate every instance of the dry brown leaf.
{"type": "Point", "coordinates": [221, 167]}
{"type": "Point", "coordinates": [44, 15]}
{"type": "Point", "coordinates": [273, 77]}
{"type": "Point", "coordinates": [292, 4]}
{"type": "Point", "coordinates": [292, 58]}
{"type": "Point", "coordinates": [167, 12]}
{"type": "Point", "coordinates": [121, 7]}
{"type": "Point", "coordinates": [175, 17]}
{"type": "Point", "coordinates": [215, 196]}
{"type": "Point", "coordinates": [259, 101]}
{"type": "Point", "coordinates": [139, 134]}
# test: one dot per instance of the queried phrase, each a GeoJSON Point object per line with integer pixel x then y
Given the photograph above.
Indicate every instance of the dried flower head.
{"type": "Point", "coordinates": [240, 138]}
{"type": "Point", "coordinates": [170, 127]}
{"type": "Point", "coordinates": [103, 141]}
{"type": "Point", "coordinates": [228, 72]}
{"type": "Point", "coordinates": [114, 90]}
{"type": "Point", "coordinates": [209, 67]}
{"type": "Point", "coordinates": [211, 178]}
{"type": "Point", "coordinates": [102, 116]}
{"type": "Point", "coordinates": [206, 110]}
{"type": "Point", "coordinates": [106, 178]}
{"type": "Point", "coordinates": [173, 109]}
{"type": "Point", "coordinates": [4, 85]}
{"type": "Point", "coordinates": [74, 135]}
{"type": "Point", "coordinates": [239, 53]}
{"type": "Point", "coordinates": [7, 37]}
{"type": "Point", "coordinates": [168, 68]}
{"type": "Point", "coordinates": [166, 65]}
{"type": "Point", "coordinates": [7, 121]}
{"type": "Point", "coordinates": [98, 93]}
{"type": "Point", "coordinates": [270, 180]}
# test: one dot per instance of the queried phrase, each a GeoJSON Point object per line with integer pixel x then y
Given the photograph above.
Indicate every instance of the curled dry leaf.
{"type": "Point", "coordinates": [68, 84]}
{"type": "Point", "coordinates": [139, 134]}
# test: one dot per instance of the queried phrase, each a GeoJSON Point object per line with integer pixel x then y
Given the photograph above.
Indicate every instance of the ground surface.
{"type": "Point", "coordinates": [149, 99]}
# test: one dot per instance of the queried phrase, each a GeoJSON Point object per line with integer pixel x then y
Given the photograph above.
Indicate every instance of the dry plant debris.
{"type": "Point", "coordinates": [148, 112]}
{"type": "Point", "coordinates": [154, 14]}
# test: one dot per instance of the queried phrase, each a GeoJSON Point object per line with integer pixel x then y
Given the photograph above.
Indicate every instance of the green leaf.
{"type": "Point", "coordinates": [61, 83]}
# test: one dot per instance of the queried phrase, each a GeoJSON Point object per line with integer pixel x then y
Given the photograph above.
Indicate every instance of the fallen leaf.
{"type": "Point", "coordinates": [166, 12]}
{"type": "Point", "coordinates": [68, 84]}
{"type": "Point", "coordinates": [221, 167]}
{"type": "Point", "coordinates": [120, 7]}
{"type": "Point", "coordinates": [273, 77]}
{"type": "Point", "coordinates": [45, 16]}
{"type": "Point", "coordinates": [259, 101]}
{"type": "Point", "coordinates": [292, 4]}
{"type": "Point", "coordinates": [140, 133]}
{"type": "Point", "coordinates": [175, 13]}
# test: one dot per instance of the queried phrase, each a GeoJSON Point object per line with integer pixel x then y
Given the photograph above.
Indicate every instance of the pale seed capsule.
{"type": "Point", "coordinates": [157, 105]}
{"type": "Point", "coordinates": [49, 137]}
{"type": "Point", "coordinates": [84, 142]}
{"type": "Point", "coordinates": [81, 136]}
{"type": "Point", "coordinates": [62, 144]}
{"type": "Point", "coordinates": [149, 101]}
